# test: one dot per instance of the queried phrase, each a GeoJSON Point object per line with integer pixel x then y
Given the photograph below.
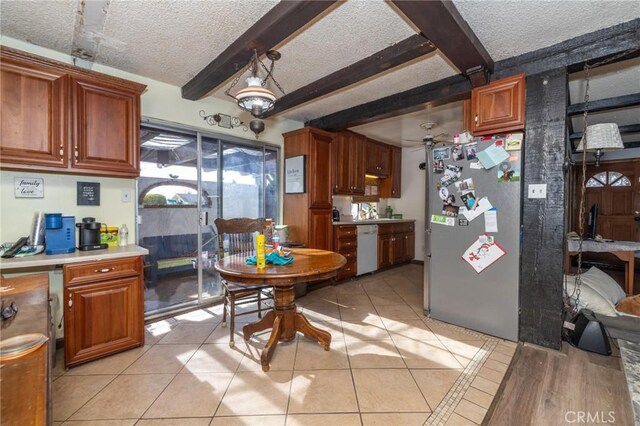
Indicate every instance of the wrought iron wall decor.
{"type": "Point", "coordinates": [223, 120]}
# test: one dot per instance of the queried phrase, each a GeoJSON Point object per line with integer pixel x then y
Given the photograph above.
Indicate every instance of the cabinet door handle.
{"type": "Point", "coordinates": [476, 119]}
{"type": "Point", "coordinates": [103, 270]}
{"type": "Point", "coordinates": [70, 302]}
{"type": "Point", "coordinates": [75, 152]}
{"type": "Point", "coordinates": [61, 150]}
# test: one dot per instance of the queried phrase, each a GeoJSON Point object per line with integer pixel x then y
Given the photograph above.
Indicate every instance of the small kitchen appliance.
{"type": "Point", "coordinates": [90, 235]}
{"type": "Point", "coordinates": [59, 233]}
{"type": "Point", "coordinates": [336, 215]}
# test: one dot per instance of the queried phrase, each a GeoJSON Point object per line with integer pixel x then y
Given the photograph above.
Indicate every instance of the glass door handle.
{"type": "Point", "coordinates": [204, 218]}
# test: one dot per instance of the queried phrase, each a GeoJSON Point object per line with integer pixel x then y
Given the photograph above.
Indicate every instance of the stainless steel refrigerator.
{"type": "Point", "coordinates": [454, 291]}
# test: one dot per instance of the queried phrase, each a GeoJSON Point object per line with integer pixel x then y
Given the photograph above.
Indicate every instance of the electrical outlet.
{"type": "Point", "coordinates": [125, 196]}
{"type": "Point", "coordinates": [538, 190]}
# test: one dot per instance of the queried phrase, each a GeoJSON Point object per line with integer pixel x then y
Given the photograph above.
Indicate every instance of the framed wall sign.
{"type": "Point", "coordinates": [294, 174]}
{"type": "Point", "coordinates": [88, 194]}
{"type": "Point", "coordinates": [26, 187]}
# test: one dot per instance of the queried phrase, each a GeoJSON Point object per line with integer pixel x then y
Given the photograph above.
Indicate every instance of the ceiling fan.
{"type": "Point", "coordinates": [429, 140]}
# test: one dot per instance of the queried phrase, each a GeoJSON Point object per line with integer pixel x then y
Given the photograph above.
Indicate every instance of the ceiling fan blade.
{"type": "Point", "coordinates": [412, 140]}
{"type": "Point", "coordinates": [447, 141]}
{"type": "Point", "coordinates": [441, 135]}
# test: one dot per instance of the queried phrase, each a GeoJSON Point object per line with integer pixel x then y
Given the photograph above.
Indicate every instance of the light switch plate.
{"type": "Point", "coordinates": [538, 190]}
{"type": "Point", "coordinates": [125, 196]}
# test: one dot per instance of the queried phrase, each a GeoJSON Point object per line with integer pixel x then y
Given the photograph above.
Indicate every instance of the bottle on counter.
{"type": "Point", "coordinates": [388, 212]}
{"type": "Point", "coordinates": [260, 252]}
{"type": "Point", "coordinates": [124, 235]}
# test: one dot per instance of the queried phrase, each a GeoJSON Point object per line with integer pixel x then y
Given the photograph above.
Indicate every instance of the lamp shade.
{"type": "Point", "coordinates": [602, 137]}
{"type": "Point", "coordinates": [255, 98]}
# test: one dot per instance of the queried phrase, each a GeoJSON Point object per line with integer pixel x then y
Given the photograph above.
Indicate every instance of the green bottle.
{"type": "Point", "coordinates": [388, 212]}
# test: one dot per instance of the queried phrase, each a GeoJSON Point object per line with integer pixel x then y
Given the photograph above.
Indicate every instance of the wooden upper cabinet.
{"type": "Point", "coordinates": [340, 161]}
{"type": "Point", "coordinates": [34, 115]}
{"type": "Point", "coordinates": [319, 171]}
{"type": "Point", "coordinates": [62, 118]}
{"type": "Point", "coordinates": [357, 146]}
{"type": "Point", "coordinates": [105, 130]}
{"type": "Point", "coordinates": [499, 106]}
{"type": "Point", "coordinates": [348, 161]}
{"type": "Point", "coordinates": [377, 158]}
{"type": "Point", "coordinates": [391, 186]}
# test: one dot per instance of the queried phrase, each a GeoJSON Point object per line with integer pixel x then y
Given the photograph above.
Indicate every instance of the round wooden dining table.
{"type": "Point", "coordinates": [284, 321]}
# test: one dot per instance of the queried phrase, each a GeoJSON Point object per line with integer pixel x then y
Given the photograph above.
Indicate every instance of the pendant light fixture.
{"type": "Point", "coordinates": [256, 98]}
{"type": "Point", "coordinates": [601, 137]}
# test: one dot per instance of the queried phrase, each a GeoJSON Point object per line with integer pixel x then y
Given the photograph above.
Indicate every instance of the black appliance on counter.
{"type": "Point", "coordinates": [336, 215]}
{"type": "Point", "coordinates": [90, 235]}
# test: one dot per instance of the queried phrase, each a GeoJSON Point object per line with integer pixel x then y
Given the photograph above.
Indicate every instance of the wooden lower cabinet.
{"type": "Point", "coordinates": [320, 222]}
{"type": "Point", "coordinates": [345, 242]}
{"type": "Point", "coordinates": [103, 309]}
{"type": "Point", "coordinates": [396, 243]}
{"type": "Point", "coordinates": [384, 251]}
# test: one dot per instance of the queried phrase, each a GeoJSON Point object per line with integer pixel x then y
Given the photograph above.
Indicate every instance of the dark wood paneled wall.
{"type": "Point", "coordinates": [543, 220]}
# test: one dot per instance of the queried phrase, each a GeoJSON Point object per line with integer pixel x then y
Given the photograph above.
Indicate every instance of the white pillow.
{"type": "Point", "coordinates": [589, 298]}
{"type": "Point", "coordinates": [606, 286]}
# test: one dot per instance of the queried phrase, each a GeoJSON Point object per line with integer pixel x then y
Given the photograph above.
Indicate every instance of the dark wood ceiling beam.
{"type": "Point", "coordinates": [589, 47]}
{"type": "Point", "coordinates": [605, 104]}
{"type": "Point", "coordinates": [284, 19]}
{"type": "Point", "coordinates": [573, 53]}
{"type": "Point", "coordinates": [440, 22]}
{"type": "Point", "coordinates": [443, 91]}
{"type": "Point", "coordinates": [624, 130]}
{"type": "Point", "coordinates": [390, 57]}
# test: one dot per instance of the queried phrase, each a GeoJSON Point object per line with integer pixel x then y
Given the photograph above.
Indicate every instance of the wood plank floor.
{"type": "Point", "coordinates": [545, 387]}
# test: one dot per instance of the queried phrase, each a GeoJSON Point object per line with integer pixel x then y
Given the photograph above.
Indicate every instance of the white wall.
{"type": "Point", "coordinates": [160, 101]}
{"type": "Point", "coordinates": [60, 197]}
{"type": "Point", "coordinates": [412, 198]}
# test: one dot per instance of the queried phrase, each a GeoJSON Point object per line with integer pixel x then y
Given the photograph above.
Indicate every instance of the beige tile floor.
{"type": "Point", "coordinates": [388, 365]}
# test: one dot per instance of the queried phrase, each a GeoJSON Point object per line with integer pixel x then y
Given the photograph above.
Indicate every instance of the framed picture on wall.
{"type": "Point", "coordinates": [294, 175]}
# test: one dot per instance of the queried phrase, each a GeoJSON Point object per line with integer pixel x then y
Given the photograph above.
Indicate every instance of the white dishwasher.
{"type": "Point", "coordinates": [367, 248]}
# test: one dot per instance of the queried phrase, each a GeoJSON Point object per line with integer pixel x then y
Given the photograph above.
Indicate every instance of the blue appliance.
{"type": "Point", "coordinates": [59, 233]}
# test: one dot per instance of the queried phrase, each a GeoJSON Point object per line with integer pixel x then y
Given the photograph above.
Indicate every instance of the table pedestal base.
{"type": "Point", "coordinates": [284, 322]}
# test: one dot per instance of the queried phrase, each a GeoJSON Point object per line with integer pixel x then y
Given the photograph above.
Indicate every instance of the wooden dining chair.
{"type": "Point", "coordinates": [239, 235]}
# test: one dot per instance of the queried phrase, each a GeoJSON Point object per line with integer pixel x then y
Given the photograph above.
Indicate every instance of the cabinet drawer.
{"type": "Point", "coordinates": [346, 244]}
{"type": "Point", "coordinates": [401, 228]}
{"type": "Point", "coordinates": [350, 254]}
{"type": "Point", "coordinates": [385, 229]}
{"type": "Point", "coordinates": [348, 270]}
{"type": "Point", "coordinates": [102, 270]}
{"type": "Point", "coordinates": [344, 232]}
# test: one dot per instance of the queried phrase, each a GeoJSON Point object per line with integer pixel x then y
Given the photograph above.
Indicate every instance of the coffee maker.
{"type": "Point", "coordinates": [90, 235]}
{"type": "Point", "coordinates": [59, 235]}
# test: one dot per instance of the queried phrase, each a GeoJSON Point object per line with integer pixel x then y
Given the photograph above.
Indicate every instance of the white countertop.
{"type": "Point", "coordinates": [373, 221]}
{"type": "Point", "coordinates": [75, 257]}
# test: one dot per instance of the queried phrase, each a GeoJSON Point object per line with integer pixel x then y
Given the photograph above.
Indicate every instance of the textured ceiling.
{"type": "Point", "coordinates": [510, 28]}
{"type": "Point", "coordinates": [338, 40]}
{"type": "Point", "coordinates": [45, 23]}
{"type": "Point", "coordinates": [608, 81]}
{"type": "Point", "coordinates": [405, 130]}
{"type": "Point", "coordinates": [422, 71]}
{"type": "Point", "coordinates": [172, 40]}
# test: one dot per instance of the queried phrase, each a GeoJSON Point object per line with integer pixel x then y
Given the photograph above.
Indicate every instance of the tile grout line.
{"type": "Point", "coordinates": [450, 402]}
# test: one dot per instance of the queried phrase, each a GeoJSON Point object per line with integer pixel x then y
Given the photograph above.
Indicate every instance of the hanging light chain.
{"type": "Point", "coordinates": [585, 144]}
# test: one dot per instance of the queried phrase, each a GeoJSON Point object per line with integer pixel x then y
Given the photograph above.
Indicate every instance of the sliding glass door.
{"type": "Point", "coordinates": [187, 180]}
